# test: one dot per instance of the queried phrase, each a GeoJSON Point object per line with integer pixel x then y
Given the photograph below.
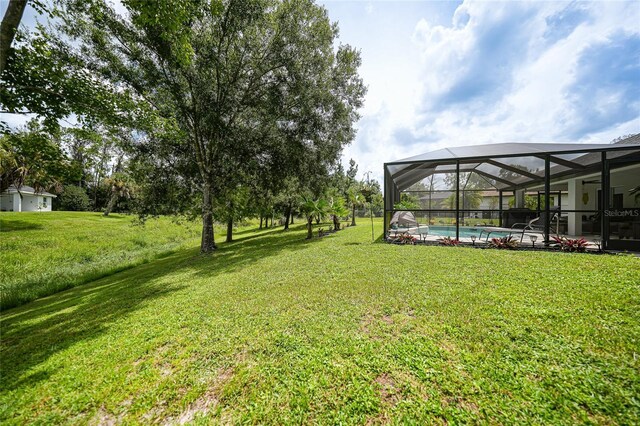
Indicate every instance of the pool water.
{"type": "Point", "coordinates": [465, 231]}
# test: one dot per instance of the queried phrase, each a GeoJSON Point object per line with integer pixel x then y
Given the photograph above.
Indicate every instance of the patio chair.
{"type": "Point", "coordinates": [423, 232]}
{"type": "Point", "coordinates": [536, 225]}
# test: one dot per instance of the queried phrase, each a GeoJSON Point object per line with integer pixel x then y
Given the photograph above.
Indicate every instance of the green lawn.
{"type": "Point", "coordinates": [273, 329]}
{"type": "Point", "coordinates": [43, 253]}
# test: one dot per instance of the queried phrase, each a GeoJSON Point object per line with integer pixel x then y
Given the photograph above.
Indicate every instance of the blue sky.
{"type": "Point", "coordinates": [450, 73]}
{"type": "Point", "coordinates": [463, 73]}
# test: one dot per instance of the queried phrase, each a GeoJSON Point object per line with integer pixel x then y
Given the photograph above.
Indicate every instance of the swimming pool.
{"type": "Point", "coordinates": [465, 231]}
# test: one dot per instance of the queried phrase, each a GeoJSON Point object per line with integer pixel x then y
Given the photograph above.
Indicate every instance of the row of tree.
{"type": "Point", "coordinates": [221, 109]}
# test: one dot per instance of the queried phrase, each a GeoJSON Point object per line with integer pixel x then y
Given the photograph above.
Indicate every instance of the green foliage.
{"type": "Point", "coordinates": [31, 157]}
{"type": "Point", "coordinates": [530, 202]}
{"type": "Point", "coordinates": [356, 199]}
{"type": "Point", "coordinates": [470, 195]}
{"type": "Point", "coordinates": [407, 202]}
{"type": "Point", "coordinates": [41, 254]}
{"type": "Point", "coordinates": [313, 209]}
{"type": "Point", "coordinates": [73, 198]}
{"type": "Point", "coordinates": [336, 209]}
{"type": "Point", "coordinates": [234, 88]}
{"type": "Point", "coordinates": [45, 78]}
{"type": "Point", "coordinates": [337, 330]}
{"type": "Point", "coordinates": [170, 22]}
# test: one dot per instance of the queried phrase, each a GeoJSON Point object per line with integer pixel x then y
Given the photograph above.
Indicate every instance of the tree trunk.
{"type": "Point", "coordinates": [95, 193]}
{"type": "Point", "coordinates": [292, 215]}
{"type": "Point", "coordinates": [287, 214]}
{"type": "Point", "coordinates": [309, 228]}
{"type": "Point", "coordinates": [336, 223]}
{"type": "Point", "coordinates": [229, 230]}
{"type": "Point", "coordinates": [111, 204]}
{"type": "Point", "coordinates": [8, 28]}
{"type": "Point", "coordinates": [353, 216]}
{"type": "Point", "coordinates": [208, 243]}
{"type": "Point", "coordinates": [260, 222]}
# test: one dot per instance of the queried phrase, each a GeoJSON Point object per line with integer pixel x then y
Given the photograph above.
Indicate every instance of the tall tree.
{"type": "Point", "coordinates": [355, 199]}
{"type": "Point", "coordinates": [120, 186]}
{"type": "Point", "coordinates": [227, 80]}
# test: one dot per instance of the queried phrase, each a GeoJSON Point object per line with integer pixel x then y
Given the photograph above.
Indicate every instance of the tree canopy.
{"type": "Point", "coordinates": [226, 91]}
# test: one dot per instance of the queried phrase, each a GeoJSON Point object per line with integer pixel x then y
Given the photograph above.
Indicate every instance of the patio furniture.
{"type": "Point", "coordinates": [488, 230]}
{"type": "Point", "coordinates": [537, 224]}
{"type": "Point", "coordinates": [423, 232]}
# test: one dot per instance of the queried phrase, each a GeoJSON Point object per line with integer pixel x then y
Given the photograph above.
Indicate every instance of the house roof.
{"type": "Point", "coordinates": [24, 189]}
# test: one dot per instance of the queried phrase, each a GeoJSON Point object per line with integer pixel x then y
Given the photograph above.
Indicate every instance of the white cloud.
{"type": "Point", "coordinates": [502, 72]}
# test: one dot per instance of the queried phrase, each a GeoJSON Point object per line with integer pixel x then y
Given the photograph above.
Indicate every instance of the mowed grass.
{"type": "Point", "coordinates": [273, 329]}
{"type": "Point", "coordinates": [43, 253]}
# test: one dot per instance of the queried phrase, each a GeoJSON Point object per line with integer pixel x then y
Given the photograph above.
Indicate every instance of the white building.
{"type": "Point", "coordinates": [31, 201]}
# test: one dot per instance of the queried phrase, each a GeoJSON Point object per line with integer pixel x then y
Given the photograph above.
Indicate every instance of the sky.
{"type": "Point", "coordinates": [449, 73]}
{"type": "Point", "coordinates": [443, 74]}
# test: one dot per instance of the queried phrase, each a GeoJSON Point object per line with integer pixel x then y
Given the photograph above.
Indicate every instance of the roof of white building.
{"type": "Point", "coordinates": [27, 190]}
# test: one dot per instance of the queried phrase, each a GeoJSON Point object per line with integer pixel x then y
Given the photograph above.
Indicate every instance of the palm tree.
{"type": "Point", "coordinates": [356, 199]}
{"type": "Point", "coordinates": [312, 209]}
{"type": "Point", "coordinates": [119, 188]}
{"type": "Point", "coordinates": [337, 209]}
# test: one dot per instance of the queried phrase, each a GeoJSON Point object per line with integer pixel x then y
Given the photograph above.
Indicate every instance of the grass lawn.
{"type": "Point", "coordinates": [273, 329]}
{"type": "Point", "coordinates": [43, 253]}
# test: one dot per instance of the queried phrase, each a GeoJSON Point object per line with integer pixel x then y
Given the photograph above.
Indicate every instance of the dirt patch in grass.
{"type": "Point", "coordinates": [387, 389]}
{"type": "Point", "coordinates": [207, 401]}
{"type": "Point", "coordinates": [388, 394]}
{"type": "Point", "coordinates": [387, 319]}
{"type": "Point", "coordinates": [447, 346]}
{"type": "Point", "coordinates": [382, 326]}
{"type": "Point", "coordinates": [460, 403]}
{"type": "Point", "coordinates": [104, 418]}
{"type": "Point", "coordinates": [366, 323]}
{"type": "Point", "coordinates": [371, 320]}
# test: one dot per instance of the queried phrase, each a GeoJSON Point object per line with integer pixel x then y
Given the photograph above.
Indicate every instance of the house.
{"type": "Point", "coordinates": [31, 201]}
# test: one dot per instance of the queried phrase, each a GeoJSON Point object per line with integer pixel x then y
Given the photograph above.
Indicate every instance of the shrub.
{"type": "Point", "coordinates": [404, 238]}
{"type": "Point", "coordinates": [448, 241]}
{"type": "Point", "coordinates": [509, 243]}
{"type": "Point", "coordinates": [74, 198]}
{"type": "Point", "coordinates": [578, 245]}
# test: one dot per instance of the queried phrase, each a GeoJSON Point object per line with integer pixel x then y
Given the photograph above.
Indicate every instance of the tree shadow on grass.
{"type": "Point", "coordinates": [34, 332]}
{"type": "Point", "coordinates": [18, 225]}
{"type": "Point", "coordinates": [248, 249]}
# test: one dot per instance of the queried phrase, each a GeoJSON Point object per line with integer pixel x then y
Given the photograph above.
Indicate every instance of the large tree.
{"type": "Point", "coordinates": [228, 80]}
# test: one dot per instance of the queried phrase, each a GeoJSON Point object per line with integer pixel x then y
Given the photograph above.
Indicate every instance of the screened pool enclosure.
{"type": "Point", "coordinates": [532, 191]}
